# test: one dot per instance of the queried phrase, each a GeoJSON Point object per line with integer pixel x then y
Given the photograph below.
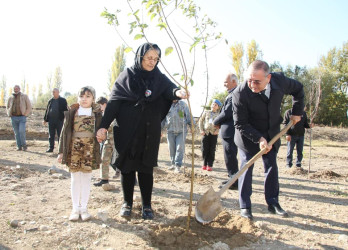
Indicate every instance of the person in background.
{"type": "Point", "coordinates": [107, 149]}
{"type": "Point", "coordinates": [210, 135]}
{"type": "Point", "coordinates": [54, 116]}
{"type": "Point", "coordinates": [80, 150]}
{"type": "Point", "coordinates": [225, 122]}
{"type": "Point", "coordinates": [139, 101]}
{"type": "Point", "coordinates": [18, 108]}
{"type": "Point", "coordinates": [295, 136]}
{"type": "Point", "coordinates": [176, 124]}
{"type": "Point", "coordinates": [256, 114]}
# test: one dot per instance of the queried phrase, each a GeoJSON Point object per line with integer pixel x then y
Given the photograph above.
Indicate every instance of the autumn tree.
{"type": "Point", "coordinates": [3, 86]}
{"type": "Point", "coordinates": [57, 79]}
{"type": "Point", "coordinates": [253, 52]}
{"type": "Point", "coordinates": [118, 65]}
{"type": "Point", "coordinates": [2, 97]}
{"type": "Point", "coordinates": [237, 52]}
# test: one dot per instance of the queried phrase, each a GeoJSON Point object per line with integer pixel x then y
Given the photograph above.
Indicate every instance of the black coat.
{"type": "Point", "coordinates": [299, 128]}
{"type": "Point", "coordinates": [255, 118]}
{"type": "Point", "coordinates": [63, 106]}
{"type": "Point", "coordinates": [137, 132]}
{"type": "Point", "coordinates": [225, 118]}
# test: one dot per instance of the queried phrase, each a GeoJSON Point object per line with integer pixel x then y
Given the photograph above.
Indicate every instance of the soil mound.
{"type": "Point", "coordinates": [325, 174]}
{"type": "Point", "coordinates": [233, 231]}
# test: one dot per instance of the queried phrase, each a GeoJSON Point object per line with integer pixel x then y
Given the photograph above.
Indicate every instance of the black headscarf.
{"type": "Point", "coordinates": [132, 83]}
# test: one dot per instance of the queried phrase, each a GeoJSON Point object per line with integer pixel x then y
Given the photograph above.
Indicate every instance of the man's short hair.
{"type": "Point", "coordinates": [102, 100]}
{"type": "Point", "coordinates": [233, 77]}
{"type": "Point", "coordinates": [55, 89]}
{"type": "Point", "coordinates": [258, 64]}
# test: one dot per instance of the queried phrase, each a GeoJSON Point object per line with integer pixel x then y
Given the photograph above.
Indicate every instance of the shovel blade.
{"type": "Point", "coordinates": [208, 207]}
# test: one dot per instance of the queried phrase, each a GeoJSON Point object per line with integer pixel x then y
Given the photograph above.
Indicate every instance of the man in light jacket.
{"type": "Point", "coordinates": [18, 108]}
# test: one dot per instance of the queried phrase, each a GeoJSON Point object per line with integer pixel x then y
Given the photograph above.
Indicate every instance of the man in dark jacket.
{"type": "Point", "coordinates": [225, 122]}
{"type": "Point", "coordinates": [54, 115]}
{"type": "Point", "coordinates": [257, 119]}
{"type": "Point", "coordinates": [295, 136]}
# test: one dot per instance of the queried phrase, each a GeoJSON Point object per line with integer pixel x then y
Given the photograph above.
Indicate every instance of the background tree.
{"type": "Point", "coordinates": [118, 65]}
{"type": "Point", "coordinates": [23, 84]}
{"type": "Point", "coordinates": [27, 89]}
{"type": "Point", "coordinates": [2, 97]}
{"type": "Point", "coordinates": [71, 99]}
{"type": "Point", "coordinates": [253, 52]}
{"type": "Point", "coordinates": [237, 59]}
{"type": "Point", "coordinates": [10, 91]}
{"type": "Point", "coordinates": [33, 91]}
{"type": "Point", "coordinates": [3, 86]}
{"type": "Point", "coordinates": [57, 79]}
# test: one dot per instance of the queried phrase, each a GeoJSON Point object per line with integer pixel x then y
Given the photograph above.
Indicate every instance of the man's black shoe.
{"type": "Point", "coordinates": [50, 150]}
{"type": "Point", "coordinates": [276, 209]}
{"type": "Point", "coordinates": [98, 184]}
{"type": "Point", "coordinates": [246, 213]}
{"type": "Point", "coordinates": [234, 186]}
{"type": "Point", "coordinates": [126, 210]}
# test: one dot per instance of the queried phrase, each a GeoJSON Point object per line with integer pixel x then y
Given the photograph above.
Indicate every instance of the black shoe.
{"type": "Point", "coordinates": [147, 213]}
{"type": "Point", "coordinates": [25, 148]}
{"type": "Point", "coordinates": [246, 213]}
{"type": "Point", "coordinates": [50, 150]}
{"type": "Point", "coordinates": [299, 166]}
{"type": "Point", "coordinates": [126, 210]}
{"type": "Point", "coordinates": [98, 184]}
{"type": "Point", "coordinates": [276, 209]}
{"type": "Point", "coordinates": [19, 149]}
{"type": "Point", "coordinates": [234, 186]}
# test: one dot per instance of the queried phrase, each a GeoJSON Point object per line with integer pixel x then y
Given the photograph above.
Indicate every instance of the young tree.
{"type": "Point", "coordinates": [160, 12]}
{"type": "Point", "coordinates": [117, 67]}
{"type": "Point", "coordinates": [237, 59]}
{"type": "Point", "coordinates": [2, 97]}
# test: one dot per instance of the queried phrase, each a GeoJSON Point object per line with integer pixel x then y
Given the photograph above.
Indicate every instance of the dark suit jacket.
{"type": "Point", "coordinates": [63, 106]}
{"type": "Point", "coordinates": [255, 118]}
{"type": "Point", "coordinates": [225, 118]}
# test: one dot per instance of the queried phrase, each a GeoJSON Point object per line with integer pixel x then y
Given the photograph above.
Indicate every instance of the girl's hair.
{"type": "Point", "coordinates": [85, 89]}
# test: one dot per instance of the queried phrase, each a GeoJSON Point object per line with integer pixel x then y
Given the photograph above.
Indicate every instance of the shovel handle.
{"type": "Point", "coordinates": [252, 160]}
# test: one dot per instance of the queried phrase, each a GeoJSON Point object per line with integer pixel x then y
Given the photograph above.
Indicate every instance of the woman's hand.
{"type": "Point", "coordinates": [181, 93]}
{"type": "Point", "coordinates": [101, 135]}
{"type": "Point", "coordinates": [59, 158]}
{"type": "Point", "coordinates": [263, 144]}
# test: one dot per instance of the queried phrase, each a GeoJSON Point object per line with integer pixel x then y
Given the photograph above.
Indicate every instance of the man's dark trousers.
{"type": "Point", "coordinates": [230, 154]}
{"type": "Point", "coordinates": [271, 184]}
{"type": "Point", "coordinates": [53, 126]}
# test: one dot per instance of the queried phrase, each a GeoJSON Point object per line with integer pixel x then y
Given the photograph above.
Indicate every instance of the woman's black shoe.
{"type": "Point", "coordinates": [147, 213]}
{"type": "Point", "coordinates": [98, 184]}
{"type": "Point", "coordinates": [126, 210]}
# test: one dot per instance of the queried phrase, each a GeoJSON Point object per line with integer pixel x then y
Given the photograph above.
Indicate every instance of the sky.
{"type": "Point", "coordinates": [39, 35]}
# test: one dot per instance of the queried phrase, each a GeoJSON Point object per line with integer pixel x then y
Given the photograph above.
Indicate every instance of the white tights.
{"type": "Point", "coordinates": [80, 189]}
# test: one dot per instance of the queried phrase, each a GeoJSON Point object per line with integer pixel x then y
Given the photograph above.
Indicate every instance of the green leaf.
{"type": "Point", "coordinates": [152, 16]}
{"type": "Point", "coordinates": [148, 4]}
{"type": "Point", "coordinates": [168, 51]}
{"type": "Point", "coordinates": [138, 36]}
{"type": "Point", "coordinates": [175, 74]}
{"type": "Point", "coordinates": [162, 25]}
{"type": "Point", "coordinates": [128, 49]}
{"type": "Point", "coordinates": [136, 13]}
{"type": "Point", "coordinates": [192, 82]}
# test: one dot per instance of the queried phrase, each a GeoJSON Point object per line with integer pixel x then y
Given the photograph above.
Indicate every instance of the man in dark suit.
{"type": "Point", "coordinates": [225, 122]}
{"type": "Point", "coordinates": [54, 116]}
{"type": "Point", "coordinates": [257, 119]}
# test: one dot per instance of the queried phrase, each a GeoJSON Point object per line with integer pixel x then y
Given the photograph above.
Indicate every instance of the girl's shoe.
{"type": "Point", "coordinates": [204, 167]}
{"type": "Point", "coordinates": [126, 210]}
{"type": "Point", "coordinates": [147, 213]}
{"type": "Point", "coordinates": [74, 216]}
{"type": "Point", "coordinates": [209, 168]}
{"type": "Point", "coordinates": [85, 215]}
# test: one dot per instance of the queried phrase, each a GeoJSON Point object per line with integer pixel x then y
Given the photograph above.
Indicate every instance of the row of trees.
{"type": "Point", "coordinates": [40, 97]}
{"type": "Point", "coordinates": [326, 85]}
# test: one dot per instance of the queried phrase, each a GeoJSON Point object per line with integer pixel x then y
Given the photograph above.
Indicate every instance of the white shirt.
{"type": "Point", "coordinates": [85, 111]}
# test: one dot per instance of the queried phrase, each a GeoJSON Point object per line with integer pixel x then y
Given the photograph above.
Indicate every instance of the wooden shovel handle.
{"type": "Point", "coordinates": [252, 160]}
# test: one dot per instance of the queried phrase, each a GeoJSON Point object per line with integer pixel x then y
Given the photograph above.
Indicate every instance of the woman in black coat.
{"type": "Point", "coordinates": [139, 101]}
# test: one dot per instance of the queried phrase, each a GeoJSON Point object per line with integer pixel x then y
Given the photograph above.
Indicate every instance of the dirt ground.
{"type": "Point", "coordinates": [35, 203]}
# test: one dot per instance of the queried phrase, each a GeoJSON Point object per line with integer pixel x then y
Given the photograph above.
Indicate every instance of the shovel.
{"type": "Point", "coordinates": [209, 205]}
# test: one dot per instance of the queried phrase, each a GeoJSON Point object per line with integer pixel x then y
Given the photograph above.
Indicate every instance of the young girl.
{"type": "Point", "coordinates": [79, 149]}
{"type": "Point", "coordinates": [209, 132]}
